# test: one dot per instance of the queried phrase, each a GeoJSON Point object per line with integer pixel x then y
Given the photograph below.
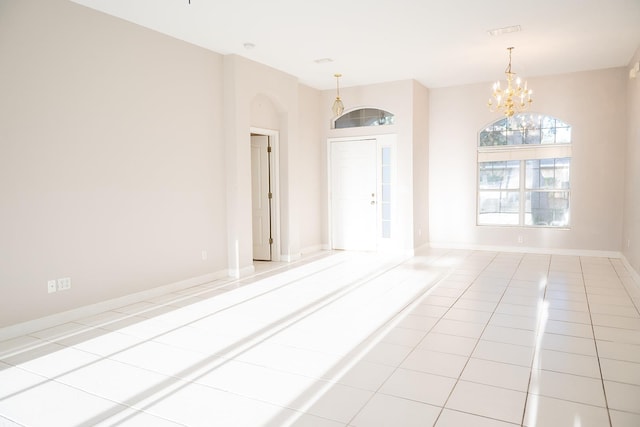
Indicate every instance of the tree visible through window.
{"type": "Point", "coordinates": [523, 172]}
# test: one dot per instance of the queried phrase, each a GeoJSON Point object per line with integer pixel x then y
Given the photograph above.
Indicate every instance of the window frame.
{"type": "Point", "coordinates": [361, 114]}
{"type": "Point", "coordinates": [523, 153]}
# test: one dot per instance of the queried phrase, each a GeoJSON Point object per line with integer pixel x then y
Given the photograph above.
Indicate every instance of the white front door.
{"type": "Point", "coordinates": [261, 197]}
{"type": "Point", "coordinates": [353, 194]}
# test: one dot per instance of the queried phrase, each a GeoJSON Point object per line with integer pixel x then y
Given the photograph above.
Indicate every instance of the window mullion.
{"type": "Point", "coordinates": [523, 184]}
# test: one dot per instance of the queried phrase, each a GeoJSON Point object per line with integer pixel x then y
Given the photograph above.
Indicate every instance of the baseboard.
{"type": "Point", "coordinates": [311, 249]}
{"type": "Point", "coordinates": [241, 272]}
{"type": "Point", "coordinates": [290, 257]}
{"type": "Point", "coordinates": [409, 253]}
{"type": "Point", "coordinates": [31, 326]}
{"type": "Point", "coordinates": [418, 250]}
{"type": "Point", "coordinates": [632, 271]}
{"type": "Point", "coordinates": [534, 250]}
{"type": "Point", "coordinates": [39, 324]}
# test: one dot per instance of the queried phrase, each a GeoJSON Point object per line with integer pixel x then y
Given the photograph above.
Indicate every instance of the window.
{"type": "Point", "coordinates": [364, 117]}
{"type": "Point", "coordinates": [499, 193]}
{"type": "Point", "coordinates": [385, 200]}
{"type": "Point", "coordinates": [523, 172]}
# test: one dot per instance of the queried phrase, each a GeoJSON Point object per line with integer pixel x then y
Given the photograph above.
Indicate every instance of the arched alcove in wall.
{"type": "Point", "coordinates": [264, 113]}
{"type": "Point", "coordinates": [254, 93]}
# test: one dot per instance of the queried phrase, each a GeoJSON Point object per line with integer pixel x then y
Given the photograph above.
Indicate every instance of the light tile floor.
{"type": "Point", "coordinates": [446, 338]}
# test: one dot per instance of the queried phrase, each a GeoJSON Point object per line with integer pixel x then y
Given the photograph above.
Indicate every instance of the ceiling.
{"type": "Point", "coordinates": [436, 42]}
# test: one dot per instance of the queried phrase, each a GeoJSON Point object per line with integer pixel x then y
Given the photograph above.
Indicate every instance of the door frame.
{"type": "Point", "coordinates": [382, 140]}
{"type": "Point", "coordinates": [274, 141]}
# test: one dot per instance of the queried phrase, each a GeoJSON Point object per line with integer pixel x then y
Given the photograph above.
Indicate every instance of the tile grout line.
{"type": "Point", "coordinates": [477, 275]}
{"type": "Point", "coordinates": [476, 344]}
{"type": "Point", "coordinates": [340, 293]}
{"type": "Point", "coordinates": [451, 271]}
{"type": "Point", "coordinates": [479, 336]}
{"type": "Point", "coordinates": [595, 341]}
{"type": "Point", "coordinates": [538, 343]}
{"type": "Point", "coordinates": [174, 379]}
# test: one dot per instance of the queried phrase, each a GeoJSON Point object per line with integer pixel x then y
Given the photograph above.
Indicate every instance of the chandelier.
{"type": "Point", "coordinates": [338, 106]}
{"type": "Point", "coordinates": [515, 98]}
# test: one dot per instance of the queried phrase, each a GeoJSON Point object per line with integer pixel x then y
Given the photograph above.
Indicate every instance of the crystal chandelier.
{"type": "Point", "coordinates": [338, 106]}
{"type": "Point", "coordinates": [515, 98]}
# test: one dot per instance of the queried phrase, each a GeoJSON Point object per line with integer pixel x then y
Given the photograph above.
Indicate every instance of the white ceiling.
{"type": "Point", "coordinates": [436, 42]}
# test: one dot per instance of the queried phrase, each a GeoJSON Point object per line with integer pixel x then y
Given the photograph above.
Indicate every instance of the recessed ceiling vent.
{"type": "Point", "coordinates": [504, 30]}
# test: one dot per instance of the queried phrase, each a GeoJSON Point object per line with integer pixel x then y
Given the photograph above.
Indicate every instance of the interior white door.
{"type": "Point", "coordinates": [261, 197]}
{"type": "Point", "coordinates": [353, 195]}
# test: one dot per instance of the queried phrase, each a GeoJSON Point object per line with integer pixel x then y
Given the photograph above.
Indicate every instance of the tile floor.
{"type": "Point", "coordinates": [446, 338]}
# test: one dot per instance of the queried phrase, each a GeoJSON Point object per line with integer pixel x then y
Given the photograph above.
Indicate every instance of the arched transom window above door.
{"type": "Point", "coordinates": [364, 117]}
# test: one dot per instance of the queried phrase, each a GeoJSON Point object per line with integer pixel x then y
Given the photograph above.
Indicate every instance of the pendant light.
{"type": "Point", "coordinates": [338, 106]}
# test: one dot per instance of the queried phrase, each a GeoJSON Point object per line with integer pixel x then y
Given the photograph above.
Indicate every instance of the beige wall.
{"type": "Point", "coordinates": [590, 102]}
{"type": "Point", "coordinates": [420, 165]}
{"type": "Point", "coordinates": [631, 230]}
{"type": "Point", "coordinates": [110, 165]}
{"type": "Point", "coordinates": [313, 201]}
{"type": "Point", "coordinates": [120, 165]}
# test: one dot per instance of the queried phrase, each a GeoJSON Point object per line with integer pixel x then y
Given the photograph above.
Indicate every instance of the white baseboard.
{"type": "Point", "coordinates": [311, 249]}
{"type": "Point", "coordinates": [241, 272]}
{"type": "Point", "coordinates": [290, 257]}
{"type": "Point", "coordinates": [534, 250]}
{"type": "Point", "coordinates": [31, 326]}
{"type": "Point", "coordinates": [409, 252]}
{"type": "Point", "coordinates": [419, 249]}
{"type": "Point", "coordinates": [634, 273]}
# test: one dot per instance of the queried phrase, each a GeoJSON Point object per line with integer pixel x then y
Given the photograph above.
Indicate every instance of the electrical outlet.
{"type": "Point", "coordinates": [52, 286]}
{"type": "Point", "coordinates": [64, 283]}
{"type": "Point", "coordinates": [520, 239]}
{"type": "Point", "coordinates": [204, 255]}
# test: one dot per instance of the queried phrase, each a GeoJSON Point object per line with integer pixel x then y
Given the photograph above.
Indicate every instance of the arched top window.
{"type": "Point", "coordinates": [364, 117]}
{"type": "Point", "coordinates": [525, 129]}
{"type": "Point", "coordinates": [524, 172]}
